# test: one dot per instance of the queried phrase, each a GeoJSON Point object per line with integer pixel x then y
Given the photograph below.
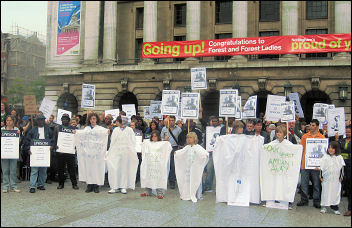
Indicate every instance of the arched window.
{"type": "Point", "coordinates": [262, 96]}
{"type": "Point", "coordinates": [125, 98]}
{"type": "Point", "coordinates": [309, 99]}
{"type": "Point", "coordinates": [68, 101]}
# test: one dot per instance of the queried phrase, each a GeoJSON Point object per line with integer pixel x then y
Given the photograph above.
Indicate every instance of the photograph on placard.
{"type": "Point", "coordinates": [250, 108]}
{"type": "Point", "coordinates": [320, 112]}
{"type": "Point", "coordinates": [88, 96]}
{"type": "Point", "coordinates": [146, 111]}
{"type": "Point", "coordinates": [155, 109]}
{"type": "Point", "coordinates": [288, 113]}
{"type": "Point", "coordinates": [227, 104]}
{"type": "Point", "coordinates": [298, 107]}
{"type": "Point", "coordinates": [238, 115]}
{"type": "Point", "coordinates": [170, 102]}
{"type": "Point", "coordinates": [315, 149]}
{"type": "Point", "coordinates": [190, 105]}
{"type": "Point", "coordinates": [198, 78]}
{"type": "Point", "coordinates": [336, 121]}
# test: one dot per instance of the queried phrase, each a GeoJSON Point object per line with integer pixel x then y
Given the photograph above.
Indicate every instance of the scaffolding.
{"type": "Point", "coordinates": [17, 30]}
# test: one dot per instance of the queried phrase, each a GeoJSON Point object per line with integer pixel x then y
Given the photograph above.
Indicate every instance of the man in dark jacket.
{"type": "Point", "coordinates": [38, 132]}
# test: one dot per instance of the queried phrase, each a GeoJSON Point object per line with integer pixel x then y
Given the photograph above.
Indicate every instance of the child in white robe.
{"type": "Point", "coordinates": [331, 166]}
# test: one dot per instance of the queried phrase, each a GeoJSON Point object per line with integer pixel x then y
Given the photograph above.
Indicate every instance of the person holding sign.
{"type": "Point", "coordinates": [65, 149]}
{"type": "Point", "coordinates": [9, 166]}
{"type": "Point", "coordinates": [306, 173]}
{"type": "Point", "coordinates": [41, 131]}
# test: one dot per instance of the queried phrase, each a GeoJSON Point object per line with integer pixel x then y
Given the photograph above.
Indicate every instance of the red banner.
{"type": "Point", "coordinates": [249, 46]}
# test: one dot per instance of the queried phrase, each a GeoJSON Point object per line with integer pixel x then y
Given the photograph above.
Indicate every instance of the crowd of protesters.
{"type": "Point", "coordinates": [35, 127]}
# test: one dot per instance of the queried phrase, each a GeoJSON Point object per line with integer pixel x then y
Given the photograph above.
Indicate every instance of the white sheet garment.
{"type": "Point", "coordinates": [121, 159]}
{"type": "Point", "coordinates": [279, 170]}
{"type": "Point", "coordinates": [155, 164]}
{"type": "Point", "coordinates": [236, 163]}
{"type": "Point", "coordinates": [331, 186]}
{"type": "Point", "coordinates": [91, 148]}
{"type": "Point", "coordinates": [189, 166]}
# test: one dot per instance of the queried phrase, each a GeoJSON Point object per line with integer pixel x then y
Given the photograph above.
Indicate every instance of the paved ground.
{"type": "Point", "coordinates": [68, 207]}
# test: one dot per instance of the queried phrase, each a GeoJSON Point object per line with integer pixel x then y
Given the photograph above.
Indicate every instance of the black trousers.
{"type": "Point", "coordinates": [52, 170]}
{"type": "Point", "coordinates": [139, 167]}
{"type": "Point", "coordinates": [70, 160]}
{"type": "Point", "coordinates": [347, 181]}
{"type": "Point", "coordinates": [172, 173]}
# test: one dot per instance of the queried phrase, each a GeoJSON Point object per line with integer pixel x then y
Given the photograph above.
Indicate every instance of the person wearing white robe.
{"type": "Point", "coordinates": [331, 166]}
{"type": "Point", "coordinates": [189, 165]}
{"type": "Point", "coordinates": [121, 159]}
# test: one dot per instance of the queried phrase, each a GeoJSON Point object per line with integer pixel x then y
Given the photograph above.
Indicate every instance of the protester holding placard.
{"type": "Point", "coordinates": [64, 133]}
{"type": "Point", "coordinates": [9, 166]}
{"type": "Point", "coordinates": [331, 166]}
{"type": "Point", "coordinates": [38, 132]}
{"type": "Point", "coordinates": [307, 173]}
{"type": "Point", "coordinates": [139, 139]}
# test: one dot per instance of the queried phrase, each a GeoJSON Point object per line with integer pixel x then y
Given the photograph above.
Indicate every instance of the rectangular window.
{"type": "Point", "coordinates": [316, 32]}
{"type": "Point", "coordinates": [138, 54]}
{"type": "Point", "coordinates": [223, 36]}
{"type": "Point", "coordinates": [180, 15]}
{"type": "Point", "coordinates": [223, 12]}
{"type": "Point", "coordinates": [269, 33]}
{"type": "Point", "coordinates": [179, 38]}
{"type": "Point", "coordinates": [139, 18]}
{"type": "Point", "coordinates": [269, 10]}
{"type": "Point", "coordinates": [316, 9]}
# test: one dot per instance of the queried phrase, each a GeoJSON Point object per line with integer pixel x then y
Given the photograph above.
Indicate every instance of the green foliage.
{"type": "Point", "coordinates": [20, 88]}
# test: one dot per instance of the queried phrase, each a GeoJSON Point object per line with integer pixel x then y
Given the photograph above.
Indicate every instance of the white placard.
{"type": "Point", "coordinates": [227, 104]}
{"type": "Point", "coordinates": [130, 110]}
{"type": "Point", "coordinates": [113, 112]}
{"type": "Point", "coordinates": [273, 107]}
{"type": "Point", "coordinates": [288, 113]}
{"type": "Point", "coordinates": [66, 141]}
{"type": "Point", "coordinates": [250, 108]}
{"type": "Point", "coordinates": [40, 149]}
{"type": "Point", "coordinates": [190, 105]}
{"type": "Point", "coordinates": [199, 78]}
{"type": "Point", "coordinates": [298, 107]}
{"type": "Point", "coordinates": [170, 102]}
{"type": "Point", "coordinates": [315, 149]}
{"type": "Point", "coordinates": [139, 140]}
{"type": "Point", "coordinates": [88, 96]}
{"type": "Point", "coordinates": [320, 111]}
{"type": "Point", "coordinates": [60, 112]}
{"type": "Point", "coordinates": [238, 115]}
{"type": "Point", "coordinates": [336, 121]}
{"type": "Point", "coordinates": [211, 134]}
{"type": "Point", "coordinates": [146, 111]}
{"type": "Point", "coordinates": [47, 106]}
{"type": "Point", "coordinates": [10, 144]}
{"type": "Point", "coordinates": [155, 109]}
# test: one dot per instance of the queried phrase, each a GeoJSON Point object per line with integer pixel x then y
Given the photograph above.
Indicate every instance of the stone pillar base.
{"type": "Point", "coordinates": [238, 58]}
{"type": "Point", "coordinates": [90, 62]}
{"type": "Point", "coordinates": [342, 56]}
{"type": "Point", "coordinates": [109, 61]}
{"type": "Point", "coordinates": [289, 57]}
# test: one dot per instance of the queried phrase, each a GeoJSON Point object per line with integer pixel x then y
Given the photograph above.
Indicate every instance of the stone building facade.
{"type": "Point", "coordinates": [112, 33]}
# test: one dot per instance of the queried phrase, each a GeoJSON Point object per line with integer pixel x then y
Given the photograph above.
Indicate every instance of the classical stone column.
{"type": "Point", "coordinates": [110, 22]}
{"type": "Point", "coordinates": [150, 24]}
{"type": "Point", "coordinates": [193, 23]}
{"type": "Point", "coordinates": [342, 22]}
{"type": "Point", "coordinates": [239, 24]}
{"type": "Point", "coordinates": [91, 38]}
{"type": "Point", "coordinates": [289, 23]}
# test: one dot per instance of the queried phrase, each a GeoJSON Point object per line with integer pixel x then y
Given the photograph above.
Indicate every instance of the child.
{"type": "Point", "coordinates": [155, 165]}
{"type": "Point", "coordinates": [331, 166]}
{"type": "Point", "coordinates": [189, 165]}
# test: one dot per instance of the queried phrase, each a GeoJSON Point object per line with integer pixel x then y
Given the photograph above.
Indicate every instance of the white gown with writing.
{"type": "Point", "coordinates": [331, 186]}
{"type": "Point", "coordinates": [121, 159]}
{"type": "Point", "coordinates": [155, 164]}
{"type": "Point", "coordinates": [189, 166]}
{"type": "Point", "coordinates": [91, 148]}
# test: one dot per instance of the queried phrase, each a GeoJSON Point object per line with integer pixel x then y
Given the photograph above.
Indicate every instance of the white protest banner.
{"type": "Point", "coordinates": [298, 108]}
{"type": "Point", "coordinates": [198, 78]}
{"type": "Point", "coordinates": [227, 104]}
{"type": "Point", "coordinates": [91, 147]}
{"type": "Point", "coordinates": [336, 121]}
{"type": "Point", "coordinates": [88, 96]}
{"type": "Point", "coordinates": [47, 106]}
{"type": "Point", "coordinates": [155, 109]}
{"type": "Point", "coordinates": [60, 112]}
{"type": "Point", "coordinates": [10, 144]}
{"type": "Point", "coordinates": [288, 113]}
{"type": "Point", "coordinates": [273, 107]}
{"type": "Point", "coordinates": [236, 164]}
{"type": "Point", "coordinates": [130, 110]}
{"type": "Point", "coordinates": [146, 111]}
{"type": "Point", "coordinates": [113, 112]}
{"type": "Point", "coordinates": [320, 111]}
{"type": "Point", "coordinates": [190, 105]}
{"type": "Point", "coordinates": [40, 153]}
{"type": "Point", "coordinates": [66, 140]}
{"type": "Point", "coordinates": [315, 149]}
{"type": "Point", "coordinates": [211, 134]}
{"type": "Point", "coordinates": [170, 102]}
{"type": "Point", "coordinates": [280, 164]}
{"type": "Point", "coordinates": [250, 108]}
{"type": "Point", "coordinates": [238, 115]}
